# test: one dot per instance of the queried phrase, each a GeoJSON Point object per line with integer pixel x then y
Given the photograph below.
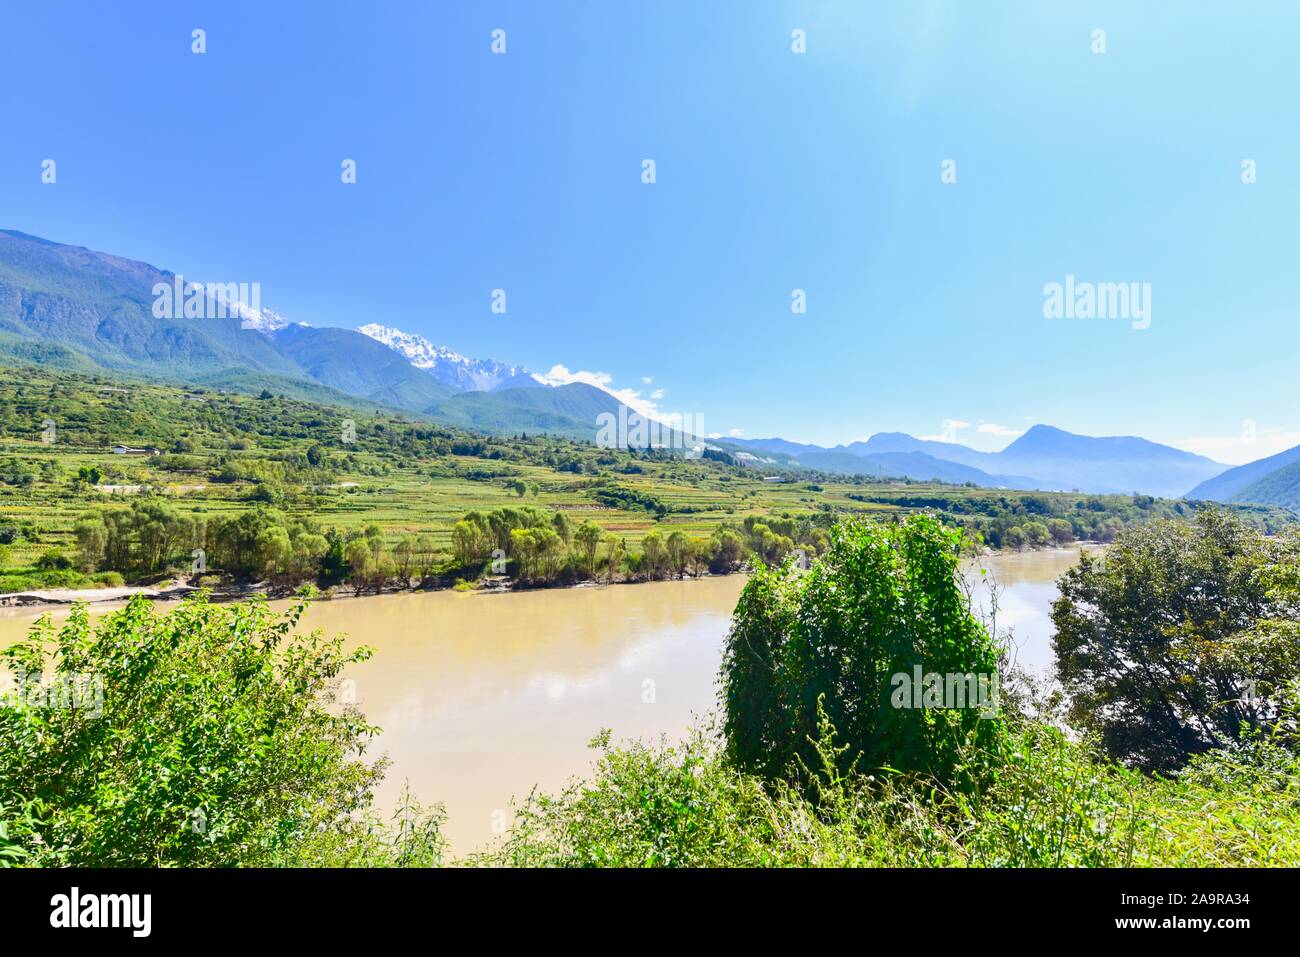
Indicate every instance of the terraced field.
{"type": "Point", "coordinates": [221, 454]}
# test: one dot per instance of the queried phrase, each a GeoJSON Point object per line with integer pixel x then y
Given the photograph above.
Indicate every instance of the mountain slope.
{"type": "Point", "coordinates": [1279, 487]}
{"type": "Point", "coordinates": [571, 410]}
{"type": "Point", "coordinates": [1044, 458]}
{"type": "Point", "coordinates": [356, 364]}
{"type": "Point", "coordinates": [1108, 464]}
{"type": "Point", "coordinates": [574, 411]}
{"type": "Point", "coordinates": [914, 465]}
{"type": "Point", "coordinates": [1230, 485]}
{"type": "Point", "coordinates": [891, 442]}
{"type": "Point", "coordinates": [778, 446]}
{"type": "Point", "coordinates": [100, 307]}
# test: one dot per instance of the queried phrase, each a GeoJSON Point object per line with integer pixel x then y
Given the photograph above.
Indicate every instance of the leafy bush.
{"type": "Point", "coordinates": [216, 740]}
{"type": "Point", "coordinates": [883, 602]}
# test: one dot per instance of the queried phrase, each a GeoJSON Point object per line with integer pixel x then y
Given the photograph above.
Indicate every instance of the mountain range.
{"type": "Point", "coordinates": [86, 311]}
{"type": "Point", "coordinates": [1044, 458]}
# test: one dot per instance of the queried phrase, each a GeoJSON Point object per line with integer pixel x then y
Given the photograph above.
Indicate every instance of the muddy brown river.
{"type": "Point", "coordinates": [481, 696]}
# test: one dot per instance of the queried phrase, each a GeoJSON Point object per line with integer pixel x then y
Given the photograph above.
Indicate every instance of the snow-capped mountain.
{"type": "Point", "coordinates": [452, 368]}
{"type": "Point", "coordinates": [264, 321]}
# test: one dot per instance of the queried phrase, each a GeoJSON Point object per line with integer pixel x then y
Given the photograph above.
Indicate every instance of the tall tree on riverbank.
{"type": "Point", "coordinates": [883, 602]}
{"type": "Point", "coordinates": [1179, 638]}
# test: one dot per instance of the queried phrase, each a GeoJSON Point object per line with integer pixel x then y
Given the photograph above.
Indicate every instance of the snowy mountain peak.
{"type": "Point", "coordinates": [447, 366]}
{"type": "Point", "coordinates": [265, 320]}
{"type": "Point", "coordinates": [255, 316]}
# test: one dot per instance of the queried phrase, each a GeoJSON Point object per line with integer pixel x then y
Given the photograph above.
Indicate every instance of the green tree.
{"type": "Point", "coordinates": [91, 537]}
{"type": "Point", "coordinates": [882, 604]}
{"type": "Point", "coordinates": [1062, 532]}
{"type": "Point", "coordinates": [586, 540]}
{"type": "Point", "coordinates": [129, 772]}
{"type": "Point", "coordinates": [677, 549]}
{"type": "Point", "coordinates": [1175, 641]}
{"type": "Point", "coordinates": [654, 557]}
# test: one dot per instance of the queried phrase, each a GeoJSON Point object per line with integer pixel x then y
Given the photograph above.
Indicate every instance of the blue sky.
{"type": "Point", "coordinates": [775, 171]}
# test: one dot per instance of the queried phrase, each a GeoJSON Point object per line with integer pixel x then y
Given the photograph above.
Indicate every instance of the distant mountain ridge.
{"type": "Point", "coordinates": [1044, 458]}
{"type": "Point", "coordinates": [74, 308]}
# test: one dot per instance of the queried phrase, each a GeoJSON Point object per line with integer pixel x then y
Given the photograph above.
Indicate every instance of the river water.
{"type": "Point", "coordinates": [481, 696]}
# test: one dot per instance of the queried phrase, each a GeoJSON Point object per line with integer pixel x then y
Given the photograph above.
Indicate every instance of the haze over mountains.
{"type": "Point", "coordinates": [1043, 458]}
{"type": "Point", "coordinates": [92, 312]}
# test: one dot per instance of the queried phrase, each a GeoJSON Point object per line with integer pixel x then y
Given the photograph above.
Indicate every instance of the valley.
{"type": "Point", "coordinates": [278, 491]}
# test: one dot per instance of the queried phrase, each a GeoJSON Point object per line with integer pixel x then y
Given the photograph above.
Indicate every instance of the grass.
{"type": "Point", "coordinates": [1046, 802]}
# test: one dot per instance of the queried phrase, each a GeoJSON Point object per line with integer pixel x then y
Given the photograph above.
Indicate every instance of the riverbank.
{"type": "Point", "coordinates": [176, 590]}
{"type": "Point", "coordinates": [482, 694]}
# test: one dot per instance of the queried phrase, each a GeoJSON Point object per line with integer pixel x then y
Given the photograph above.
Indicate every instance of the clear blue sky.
{"type": "Point", "coordinates": [775, 171]}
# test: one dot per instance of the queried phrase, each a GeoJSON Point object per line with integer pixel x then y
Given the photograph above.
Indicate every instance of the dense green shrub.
{"type": "Point", "coordinates": [882, 605]}
{"type": "Point", "coordinates": [215, 738]}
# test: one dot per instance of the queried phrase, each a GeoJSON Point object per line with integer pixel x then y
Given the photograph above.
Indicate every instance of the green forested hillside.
{"type": "Point", "coordinates": [295, 466]}
{"type": "Point", "coordinates": [1280, 487]}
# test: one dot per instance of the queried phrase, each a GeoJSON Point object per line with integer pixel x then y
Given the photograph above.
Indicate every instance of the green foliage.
{"type": "Point", "coordinates": [1177, 640]}
{"type": "Point", "coordinates": [618, 496]}
{"type": "Point", "coordinates": [1052, 803]}
{"type": "Point", "coordinates": [882, 602]}
{"type": "Point", "coordinates": [216, 740]}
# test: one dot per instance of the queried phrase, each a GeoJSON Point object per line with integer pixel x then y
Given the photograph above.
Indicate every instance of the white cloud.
{"type": "Point", "coordinates": [736, 433]}
{"type": "Point", "coordinates": [646, 380]}
{"type": "Point", "coordinates": [992, 428]}
{"type": "Point", "coordinates": [561, 375]}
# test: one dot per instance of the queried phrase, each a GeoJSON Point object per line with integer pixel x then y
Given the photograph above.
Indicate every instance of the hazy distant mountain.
{"type": "Point", "coordinates": [1110, 464]}
{"type": "Point", "coordinates": [900, 462]}
{"type": "Point", "coordinates": [777, 446]}
{"type": "Point", "coordinates": [1044, 458]}
{"type": "Point", "coordinates": [1257, 481]}
{"type": "Point", "coordinates": [450, 367]}
{"type": "Point", "coordinates": [892, 442]}
{"type": "Point", "coordinates": [914, 465]}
